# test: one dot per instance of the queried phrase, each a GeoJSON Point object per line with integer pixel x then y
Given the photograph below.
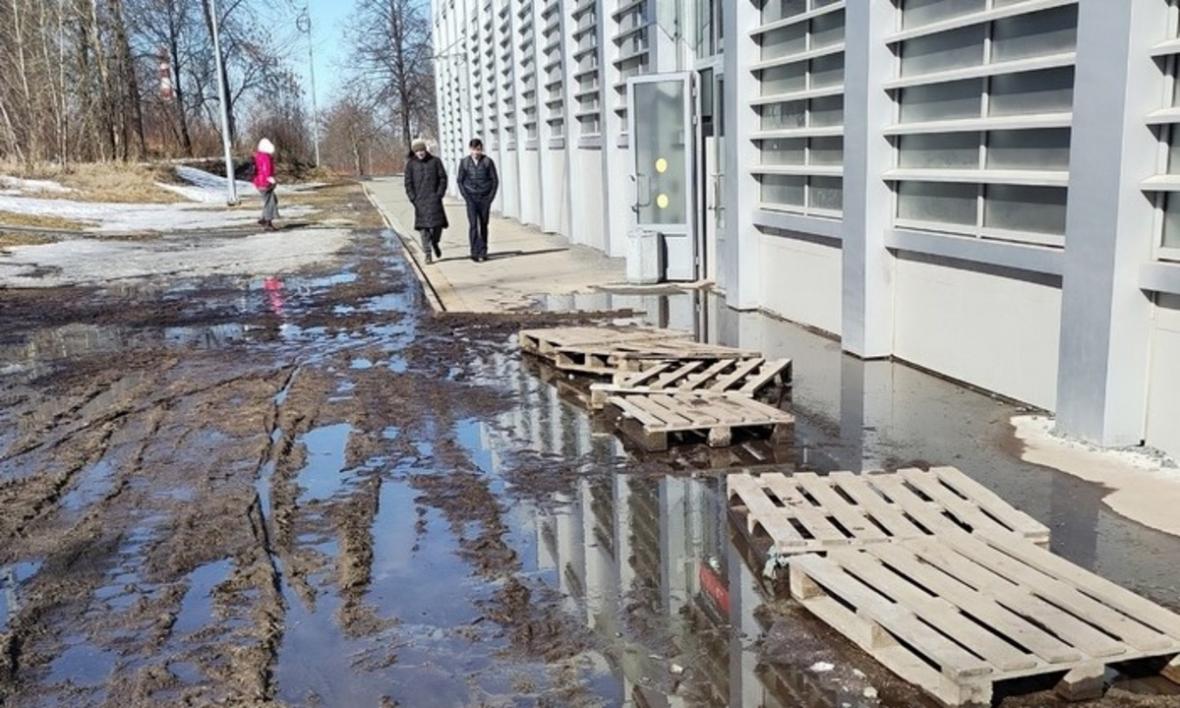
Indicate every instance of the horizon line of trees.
{"type": "Point", "coordinates": [131, 80]}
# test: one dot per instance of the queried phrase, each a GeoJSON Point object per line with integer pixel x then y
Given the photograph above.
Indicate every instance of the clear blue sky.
{"type": "Point", "coordinates": [330, 29]}
{"type": "Point", "coordinates": [330, 36]}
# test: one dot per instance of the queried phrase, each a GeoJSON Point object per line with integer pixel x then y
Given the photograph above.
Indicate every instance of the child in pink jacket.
{"type": "Point", "coordinates": [264, 182]}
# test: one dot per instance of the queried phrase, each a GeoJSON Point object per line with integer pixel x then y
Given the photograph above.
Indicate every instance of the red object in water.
{"type": "Point", "coordinates": [274, 294]}
{"type": "Point", "coordinates": [714, 587]}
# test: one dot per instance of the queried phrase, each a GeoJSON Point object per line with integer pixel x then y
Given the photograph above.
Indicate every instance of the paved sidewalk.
{"type": "Point", "coordinates": [522, 262]}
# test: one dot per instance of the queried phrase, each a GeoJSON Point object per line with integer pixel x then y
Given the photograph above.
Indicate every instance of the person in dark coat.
{"type": "Point", "coordinates": [426, 184]}
{"type": "Point", "coordinates": [478, 182]}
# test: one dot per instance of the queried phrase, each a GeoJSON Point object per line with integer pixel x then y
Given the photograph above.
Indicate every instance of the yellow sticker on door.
{"type": "Point", "coordinates": [661, 166]}
{"type": "Point", "coordinates": [662, 201]}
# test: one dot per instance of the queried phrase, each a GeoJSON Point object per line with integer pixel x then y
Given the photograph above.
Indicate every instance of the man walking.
{"type": "Point", "coordinates": [426, 185]}
{"type": "Point", "coordinates": [478, 182]}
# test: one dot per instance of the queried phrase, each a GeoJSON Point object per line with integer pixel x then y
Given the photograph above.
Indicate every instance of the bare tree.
{"type": "Point", "coordinates": [79, 77]}
{"type": "Point", "coordinates": [394, 56]}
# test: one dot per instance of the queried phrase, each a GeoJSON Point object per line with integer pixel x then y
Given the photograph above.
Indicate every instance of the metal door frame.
{"type": "Point", "coordinates": [691, 136]}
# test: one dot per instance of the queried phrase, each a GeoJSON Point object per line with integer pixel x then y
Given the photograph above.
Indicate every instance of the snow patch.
{"type": "Point", "coordinates": [208, 188]}
{"type": "Point", "coordinates": [1144, 486]}
{"type": "Point", "coordinates": [93, 262]}
{"type": "Point", "coordinates": [16, 185]}
{"type": "Point", "coordinates": [140, 217]}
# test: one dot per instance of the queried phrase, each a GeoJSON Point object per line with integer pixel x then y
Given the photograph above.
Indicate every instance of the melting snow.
{"type": "Point", "coordinates": [16, 185]}
{"type": "Point", "coordinates": [140, 217]}
{"type": "Point", "coordinates": [208, 188]}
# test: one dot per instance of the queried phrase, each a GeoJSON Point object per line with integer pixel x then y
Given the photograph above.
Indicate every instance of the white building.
{"type": "Point", "coordinates": [978, 187]}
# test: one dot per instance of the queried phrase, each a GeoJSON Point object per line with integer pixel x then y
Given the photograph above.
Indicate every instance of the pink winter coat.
{"type": "Point", "coordinates": [264, 170]}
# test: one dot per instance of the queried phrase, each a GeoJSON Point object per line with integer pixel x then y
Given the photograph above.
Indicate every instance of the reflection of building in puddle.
{"type": "Point", "coordinates": [648, 565]}
{"type": "Point", "coordinates": [45, 346]}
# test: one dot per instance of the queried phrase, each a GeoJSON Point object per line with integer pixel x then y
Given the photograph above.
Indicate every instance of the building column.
{"type": "Point", "coordinates": [1105, 317]}
{"type": "Point", "coordinates": [737, 243]}
{"type": "Point", "coordinates": [867, 304]}
{"type": "Point", "coordinates": [617, 188]}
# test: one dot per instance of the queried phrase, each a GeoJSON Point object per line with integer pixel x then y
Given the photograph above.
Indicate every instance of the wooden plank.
{"type": "Point", "coordinates": [680, 370]}
{"type": "Point", "coordinates": [949, 580]}
{"type": "Point", "coordinates": [813, 519]}
{"type": "Point", "coordinates": [992, 503]}
{"type": "Point", "coordinates": [888, 515]}
{"type": "Point", "coordinates": [1061, 593]}
{"type": "Point", "coordinates": [743, 369]}
{"type": "Point", "coordinates": [674, 415]}
{"type": "Point", "coordinates": [715, 407]}
{"type": "Point", "coordinates": [701, 378]}
{"type": "Point", "coordinates": [624, 404]}
{"type": "Point", "coordinates": [1112, 594]}
{"type": "Point", "coordinates": [925, 513]}
{"type": "Point", "coordinates": [762, 512]}
{"type": "Point", "coordinates": [1019, 599]}
{"type": "Point", "coordinates": [870, 637]}
{"type": "Point", "coordinates": [758, 408]}
{"type": "Point", "coordinates": [641, 378]}
{"type": "Point", "coordinates": [953, 660]}
{"type": "Point", "coordinates": [849, 516]}
{"type": "Point", "coordinates": [966, 511]}
{"type": "Point", "coordinates": [769, 372]}
{"type": "Point", "coordinates": [935, 611]}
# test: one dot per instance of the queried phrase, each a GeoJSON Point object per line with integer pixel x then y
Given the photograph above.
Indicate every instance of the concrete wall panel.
{"type": "Point", "coordinates": [1163, 399]}
{"type": "Point", "coordinates": [530, 188]}
{"type": "Point", "coordinates": [801, 280]}
{"type": "Point", "coordinates": [588, 227]}
{"type": "Point", "coordinates": [985, 328]}
{"type": "Point", "coordinates": [509, 168]}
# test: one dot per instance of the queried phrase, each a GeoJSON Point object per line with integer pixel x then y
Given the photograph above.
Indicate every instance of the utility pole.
{"type": "Point", "coordinates": [223, 92]}
{"type": "Point", "coordinates": [304, 25]}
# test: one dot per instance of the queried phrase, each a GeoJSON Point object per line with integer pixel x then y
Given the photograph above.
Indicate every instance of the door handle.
{"type": "Point", "coordinates": [642, 191]}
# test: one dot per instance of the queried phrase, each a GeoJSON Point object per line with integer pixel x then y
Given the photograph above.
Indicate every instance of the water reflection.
{"type": "Point", "coordinates": [649, 563]}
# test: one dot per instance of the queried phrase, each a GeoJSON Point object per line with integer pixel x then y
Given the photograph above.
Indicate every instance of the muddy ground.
{"type": "Point", "coordinates": [306, 489]}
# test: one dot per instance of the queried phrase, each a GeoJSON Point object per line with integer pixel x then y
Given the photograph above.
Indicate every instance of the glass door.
{"type": "Point", "coordinates": [662, 139]}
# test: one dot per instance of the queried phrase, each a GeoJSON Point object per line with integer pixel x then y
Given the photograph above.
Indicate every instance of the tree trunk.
{"type": "Point", "coordinates": [130, 93]}
{"type": "Point", "coordinates": [107, 120]}
{"type": "Point", "coordinates": [30, 109]}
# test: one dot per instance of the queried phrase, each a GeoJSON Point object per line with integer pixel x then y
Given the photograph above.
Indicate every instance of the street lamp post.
{"type": "Point", "coordinates": [304, 25]}
{"type": "Point", "coordinates": [223, 92]}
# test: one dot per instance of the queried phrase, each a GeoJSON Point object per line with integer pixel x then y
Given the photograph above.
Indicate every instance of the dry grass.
{"type": "Point", "coordinates": [9, 239]}
{"type": "Point", "coordinates": [103, 182]}
{"type": "Point", "coordinates": [43, 221]}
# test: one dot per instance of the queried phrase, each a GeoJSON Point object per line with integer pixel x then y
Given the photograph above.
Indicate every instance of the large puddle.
{"type": "Point", "coordinates": [646, 565]}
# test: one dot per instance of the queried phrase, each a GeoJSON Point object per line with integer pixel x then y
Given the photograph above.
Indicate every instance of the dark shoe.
{"type": "Point", "coordinates": [270, 226]}
{"type": "Point", "coordinates": [429, 258]}
{"type": "Point", "coordinates": [437, 250]}
{"type": "Point", "coordinates": [262, 222]}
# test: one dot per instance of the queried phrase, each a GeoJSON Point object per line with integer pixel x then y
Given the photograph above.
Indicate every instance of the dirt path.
{"type": "Point", "coordinates": [307, 490]}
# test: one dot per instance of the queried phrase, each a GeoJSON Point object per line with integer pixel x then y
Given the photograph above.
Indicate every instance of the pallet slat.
{"type": "Point", "coordinates": [715, 417]}
{"type": "Point", "coordinates": [960, 602]}
{"type": "Point", "coordinates": [878, 508]}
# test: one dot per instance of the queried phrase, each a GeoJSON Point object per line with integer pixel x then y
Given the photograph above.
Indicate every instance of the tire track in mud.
{"type": "Point", "coordinates": [188, 567]}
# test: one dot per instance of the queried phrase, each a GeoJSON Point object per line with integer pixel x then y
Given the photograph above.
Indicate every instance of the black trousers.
{"type": "Point", "coordinates": [479, 209]}
{"type": "Point", "coordinates": [430, 238]}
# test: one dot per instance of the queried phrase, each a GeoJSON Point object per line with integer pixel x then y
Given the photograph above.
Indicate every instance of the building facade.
{"type": "Point", "coordinates": [979, 187]}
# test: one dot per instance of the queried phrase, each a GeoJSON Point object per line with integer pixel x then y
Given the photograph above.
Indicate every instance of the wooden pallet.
{"type": "Point", "coordinates": [745, 376]}
{"type": "Point", "coordinates": [805, 512]}
{"type": "Point", "coordinates": [610, 358]}
{"type": "Point", "coordinates": [546, 342]}
{"type": "Point", "coordinates": [961, 612]}
{"type": "Point", "coordinates": [651, 419]}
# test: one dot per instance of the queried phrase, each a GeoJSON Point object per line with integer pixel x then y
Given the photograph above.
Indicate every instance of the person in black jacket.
{"type": "Point", "coordinates": [478, 183]}
{"type": "Point", "coordinates": [426, 185]}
